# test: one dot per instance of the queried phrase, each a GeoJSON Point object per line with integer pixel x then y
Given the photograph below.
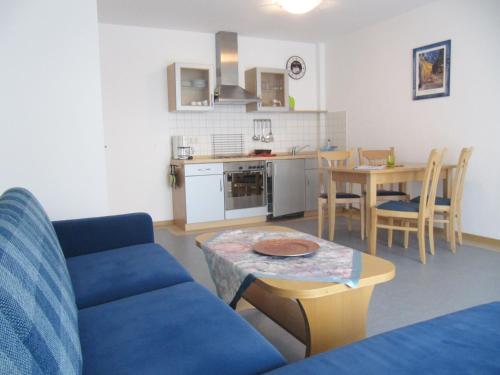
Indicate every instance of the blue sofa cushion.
{"type": "Point", "coordinates": [109, 275]}
{"type": "Point", "coordinates": [182, 329]}
{"type": "Point", "coordinates": [465, 342]}
{"type": "Point", "coordinates": [38, 315]}
{"type": "Point", "coordinates": [90, 235]}
{"type": "Point", "coordinates": [440, 201]}
{"type": "Point", "coordinates": [399, 206]}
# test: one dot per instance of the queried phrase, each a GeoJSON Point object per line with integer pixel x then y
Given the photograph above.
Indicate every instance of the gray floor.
{"type": "Point", "coordinates": [447, 283]}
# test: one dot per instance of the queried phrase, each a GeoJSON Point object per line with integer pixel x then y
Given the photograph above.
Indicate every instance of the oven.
{"type": "Point", "coordinates": [244, 189]}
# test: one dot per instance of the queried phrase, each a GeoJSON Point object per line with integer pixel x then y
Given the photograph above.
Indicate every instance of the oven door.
{"type": "Point", "coordinates": [244, 189]}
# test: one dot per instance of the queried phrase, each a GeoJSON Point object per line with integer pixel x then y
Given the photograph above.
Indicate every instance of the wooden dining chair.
{"type": "Point", "coordinates": [379, 157]}
{"type": "Point", "coordinates": [411, 212]}
{"type": "Point", "coordinates": [451, 208]}
{"type": "Point", "coordinates": [343, 196]}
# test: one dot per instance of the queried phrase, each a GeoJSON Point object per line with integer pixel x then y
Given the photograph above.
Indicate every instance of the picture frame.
{"type": "Point", "coordinates": [431, 70]}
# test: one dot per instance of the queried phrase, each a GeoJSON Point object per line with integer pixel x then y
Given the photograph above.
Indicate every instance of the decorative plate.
{"type": "Point", "coordinates": [285, 247]}
{"type": "Point", "coordinates": [296, 67]}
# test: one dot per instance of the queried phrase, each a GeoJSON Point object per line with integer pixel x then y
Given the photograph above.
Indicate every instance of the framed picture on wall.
{"type": "Point", "coordinates": [431, 70]}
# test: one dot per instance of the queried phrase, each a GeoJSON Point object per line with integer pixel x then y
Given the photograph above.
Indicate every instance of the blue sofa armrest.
{"type": "Point", "coordinates": [91, 235]}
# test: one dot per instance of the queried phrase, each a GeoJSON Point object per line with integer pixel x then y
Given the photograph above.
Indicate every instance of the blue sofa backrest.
{"type": "Point", "coordinates": [38, 314]}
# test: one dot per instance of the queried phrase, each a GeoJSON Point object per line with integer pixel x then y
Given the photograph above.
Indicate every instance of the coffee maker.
{"type": "Point", "coordinates": [181, 148]}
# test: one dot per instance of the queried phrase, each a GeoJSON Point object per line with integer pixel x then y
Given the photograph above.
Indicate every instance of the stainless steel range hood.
{"type": "Point", "coordinates": [227, 90]}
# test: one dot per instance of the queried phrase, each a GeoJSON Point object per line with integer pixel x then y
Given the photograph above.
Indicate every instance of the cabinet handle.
{"type": "Point", "coordinates": [220, 184]}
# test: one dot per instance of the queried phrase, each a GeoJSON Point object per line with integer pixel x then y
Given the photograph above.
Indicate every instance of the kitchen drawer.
{"type": "Point", "coordinates": [311, 163]}
{"type": "Point", "coordinates": [203, 169]}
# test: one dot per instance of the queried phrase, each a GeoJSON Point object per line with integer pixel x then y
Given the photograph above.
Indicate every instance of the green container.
{"type": "Point", "coordinates": [291, 103]}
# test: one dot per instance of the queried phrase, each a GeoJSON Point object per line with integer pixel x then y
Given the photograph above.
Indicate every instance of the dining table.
{"type": "Point", "coordinates": [371, 178]}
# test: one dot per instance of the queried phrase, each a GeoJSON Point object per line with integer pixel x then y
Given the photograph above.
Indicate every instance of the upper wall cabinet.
{"type": "Point", "coordinates": [190, 87]}
{"type": "Point", "coordinates": [271, 86]}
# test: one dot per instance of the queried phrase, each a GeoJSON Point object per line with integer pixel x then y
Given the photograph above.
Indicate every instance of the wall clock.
{"type": "Point", "coordinates": [296, 67]}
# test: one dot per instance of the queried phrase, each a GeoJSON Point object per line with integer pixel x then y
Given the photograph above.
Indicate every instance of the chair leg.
{"type": "Point", "coordinates": [320, 218]}
{"type": "Point", "coordinates": [431, 234]}
{"type": "Point", "coordinates": [331, 221]}
{"type": "Point", "coordinates": [451, 234]}
{"type": "Point", "coordinates": [406, 235]}
{"type": "Point", "coordinates": [390, 232]}
{"type": "Point", "coordinates": [362, 219]}
{"type": "Point", "coordinates": [368, 213]}
{"type": "Point", "coordinates": [459, 227]}
{"type": "Point", "coordinates": [373, 231]}
{"type": "Point", "coordinates": [446, 227]}
{"type": "Point", "coordinates": [421, 240]}
{"type": "Point", "coordinates": [349, 217]}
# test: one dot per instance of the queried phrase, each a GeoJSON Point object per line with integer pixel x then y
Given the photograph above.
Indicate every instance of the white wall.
{"type": "Point", "coordinates": [51, 138]}
{"type": "Point", "coordinates": [138, 125]}
{"type": "Point", "coordinates": [369, 76]}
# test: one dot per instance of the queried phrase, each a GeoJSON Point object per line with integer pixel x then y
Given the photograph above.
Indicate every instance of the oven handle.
{"type": "Point", "coordinates": [269, 169]}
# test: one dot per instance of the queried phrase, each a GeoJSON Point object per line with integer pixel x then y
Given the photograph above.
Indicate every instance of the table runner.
{"type": "Point", "coordinates": [234, 265]}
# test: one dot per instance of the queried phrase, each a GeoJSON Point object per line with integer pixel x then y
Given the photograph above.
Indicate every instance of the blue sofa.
{"type": "Point", "coordinates": [98, 296]}
{"type": "Point", "coordinates": [465, 342]}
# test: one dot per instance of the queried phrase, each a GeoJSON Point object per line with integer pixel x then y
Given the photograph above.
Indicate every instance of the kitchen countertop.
{"type": "Point", "coordinates": [210, 159]}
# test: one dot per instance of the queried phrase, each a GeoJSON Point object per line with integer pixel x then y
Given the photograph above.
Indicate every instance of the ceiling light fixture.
{"type": "Point", "coordinates": [298, 6]}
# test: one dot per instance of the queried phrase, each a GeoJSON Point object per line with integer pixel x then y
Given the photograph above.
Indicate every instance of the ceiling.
{"type": "Point", "coordinates": [259, 18]}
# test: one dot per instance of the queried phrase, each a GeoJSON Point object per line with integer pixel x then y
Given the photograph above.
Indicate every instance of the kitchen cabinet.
{"type": "Point", "coordinates": [204, 198]}
{"type": "Point", "coordinates": [288, 186]}
{"type": "Point", "coordinates": [202, 192]}
{"type": "Point", "coordinates": [190, 87]}
{"type": "Point", "coordinates": [271, 86]}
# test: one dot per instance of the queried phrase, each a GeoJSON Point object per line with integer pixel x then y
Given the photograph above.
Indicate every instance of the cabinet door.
{"type": "Point", "coordinates": [204, 198]}
{"type": "Point", "coordinates": [274, 90]}
{"type": "Point", "coordinates": [271, 86]}
{"type": "Point", "coordinates": [190, 87]}
{"type": "Point", "coordinates": [312, 189]}
{"type": "Point", "coordinates": [288, 187]}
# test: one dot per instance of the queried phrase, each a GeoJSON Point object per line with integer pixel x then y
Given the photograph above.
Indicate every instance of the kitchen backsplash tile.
{"type": "Point", "coordinates": [335, 129]}
{"type": "Point", "coordinates": [289, 129]}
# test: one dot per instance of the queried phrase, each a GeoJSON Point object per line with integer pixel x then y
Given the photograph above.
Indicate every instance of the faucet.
{"type": "Point", "coordinates": [297, 149]}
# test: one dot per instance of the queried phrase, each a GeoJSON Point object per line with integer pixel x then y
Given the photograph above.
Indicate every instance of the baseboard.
{"type": "Point", "coordinates": [474, 239]}
{"type": "Point", "coordinates": [224, 223]}
{"type": "Point", "coordinates": [162, 224]}
{"type": "Point", "coordinates": [489, 242]}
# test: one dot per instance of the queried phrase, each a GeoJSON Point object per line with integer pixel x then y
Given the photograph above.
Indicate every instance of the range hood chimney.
{"type": "Point", "coordinates": [227, 90]}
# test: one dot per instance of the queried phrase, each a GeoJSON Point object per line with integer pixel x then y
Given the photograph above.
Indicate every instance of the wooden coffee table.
{"type": "Point", "coordinates": [321, 315]}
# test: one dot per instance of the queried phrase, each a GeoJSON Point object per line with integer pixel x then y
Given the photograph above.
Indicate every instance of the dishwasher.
{"type": "Point", "coordinates": [285, 187]}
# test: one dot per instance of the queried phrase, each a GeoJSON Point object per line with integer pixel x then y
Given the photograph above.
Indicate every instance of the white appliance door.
{"type": "Point", "coordinates": [204, 198]}
{"type": "Point", "coordinates": [288, 187]}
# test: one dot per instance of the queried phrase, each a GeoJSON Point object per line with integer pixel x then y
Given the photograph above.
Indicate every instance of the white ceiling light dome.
{"type": "Point", "coordinates": [298, 6]}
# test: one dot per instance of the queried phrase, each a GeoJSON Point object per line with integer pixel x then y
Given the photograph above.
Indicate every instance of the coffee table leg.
{"type": "Point", "coordinates": [335, 320]}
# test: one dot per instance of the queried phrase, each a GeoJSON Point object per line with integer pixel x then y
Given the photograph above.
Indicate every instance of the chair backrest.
{"type": "Point", "coordinates": [374, 157]}
{"type": "Point", "coordinates": [458, 181]}
{"type": "Point", "coordinates": [334, 159]}
{"type": "Point", "coordinates": [430, 182]}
